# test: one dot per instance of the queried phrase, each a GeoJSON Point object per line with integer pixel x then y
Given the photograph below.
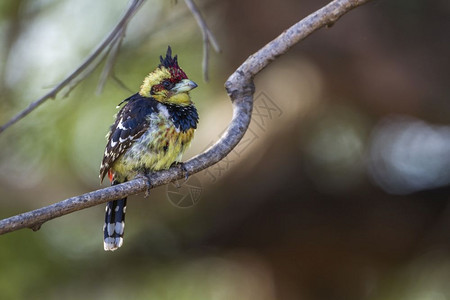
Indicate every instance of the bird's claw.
{"type": "Point", "coordinates": [146, 176]}
{"type": "Point", "coordinates": [183, 168]}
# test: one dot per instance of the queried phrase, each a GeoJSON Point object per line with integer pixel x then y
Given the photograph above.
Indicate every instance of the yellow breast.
{"type": "Point", "coordinates": [156, 150]}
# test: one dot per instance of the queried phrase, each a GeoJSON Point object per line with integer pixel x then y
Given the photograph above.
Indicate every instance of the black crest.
{"type": "Point", "coordinates": [168, 61]}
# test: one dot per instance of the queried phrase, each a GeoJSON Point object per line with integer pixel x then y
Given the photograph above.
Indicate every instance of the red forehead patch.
{"type": "Point", "coordinates": [176, 74]}
{"type": "Point", "coordinates": [171, 63]}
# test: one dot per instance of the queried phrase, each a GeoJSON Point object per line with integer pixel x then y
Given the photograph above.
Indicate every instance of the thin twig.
{"type": "Point", "coordinates": [205, 59]}
{"type": "Point", "coordinates": [120, 83]}
{"type": "Point", "coordinates": [132, 9]}
{"type": "Point", "coordinates": [213, 40]}
{"type": "Point", "coordinates": [108, 69]}
{"type": "Point", "coordinates": [115, 42]}
{"type": "Point", "coordinates": [208, 37]}
{"type": "Point", "coordinates": [83, 75]}
{"type": "Point", "coordinates": [240, 88]}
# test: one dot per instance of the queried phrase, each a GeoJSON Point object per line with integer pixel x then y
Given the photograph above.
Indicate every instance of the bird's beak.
{"type": "Point", "coordinates": [183, 86]}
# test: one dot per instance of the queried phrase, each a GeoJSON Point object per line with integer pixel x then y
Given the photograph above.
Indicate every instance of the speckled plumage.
{"type": "Point", "coordinates": [150, 133]}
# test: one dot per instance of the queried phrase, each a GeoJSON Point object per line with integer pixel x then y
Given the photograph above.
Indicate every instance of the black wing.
{"type": "Point", "coordinates": [131, 122]}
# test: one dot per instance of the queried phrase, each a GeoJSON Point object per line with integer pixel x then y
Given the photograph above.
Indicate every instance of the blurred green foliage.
{"type": "Point", "coordinates": [292, 213]}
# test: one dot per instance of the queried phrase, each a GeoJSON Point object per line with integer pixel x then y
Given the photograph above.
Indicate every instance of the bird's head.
{"type": "Point", "coordinates": [168, 83]}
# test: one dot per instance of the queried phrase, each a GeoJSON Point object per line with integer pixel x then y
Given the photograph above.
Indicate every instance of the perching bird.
{"type": "Point", "coordinates": [150, 133]}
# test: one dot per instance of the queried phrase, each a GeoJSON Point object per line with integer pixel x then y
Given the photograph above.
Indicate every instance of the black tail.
{"type": "Point", "coordinates": [114, 224]}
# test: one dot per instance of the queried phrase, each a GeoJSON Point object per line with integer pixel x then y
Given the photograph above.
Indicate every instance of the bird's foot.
{"type": "Point", "coordinates": [183, 168]}
{"type": "Point", "coordinates": [146, 176]}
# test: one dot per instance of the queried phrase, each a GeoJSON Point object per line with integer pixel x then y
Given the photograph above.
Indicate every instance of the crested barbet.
{"type": "Point", "coordinates": [150, 133]}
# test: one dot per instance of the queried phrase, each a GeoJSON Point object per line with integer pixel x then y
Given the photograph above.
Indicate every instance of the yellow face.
{"type": "Point", "coordinates": [163, 86]}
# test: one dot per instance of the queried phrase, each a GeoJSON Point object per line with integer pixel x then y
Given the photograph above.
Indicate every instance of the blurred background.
{"type": "Point", "coordinates": [339, 190]}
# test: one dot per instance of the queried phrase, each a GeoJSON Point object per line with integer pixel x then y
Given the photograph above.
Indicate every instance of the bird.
{"type": "Point", "coordinates": [150, 133]}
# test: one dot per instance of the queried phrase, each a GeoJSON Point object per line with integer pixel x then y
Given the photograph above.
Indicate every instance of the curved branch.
{"type": "Point", "coordinates": [112, 38]}
{"type": "Point", "coordinates": [240, 88]}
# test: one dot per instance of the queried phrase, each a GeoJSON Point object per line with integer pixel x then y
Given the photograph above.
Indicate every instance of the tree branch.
{"type": "Point", "coordinates": [113, 52]}
{"type": "Point", "coordinates": [240, 88]}
{"type": "Point", "coordinates": [208, 37]}
{"type": "Point", "coordinates": [111, 38]}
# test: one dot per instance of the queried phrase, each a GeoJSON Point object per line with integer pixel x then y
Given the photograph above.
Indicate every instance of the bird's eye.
{"type": "Point", "coordinates": [167, 84]}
